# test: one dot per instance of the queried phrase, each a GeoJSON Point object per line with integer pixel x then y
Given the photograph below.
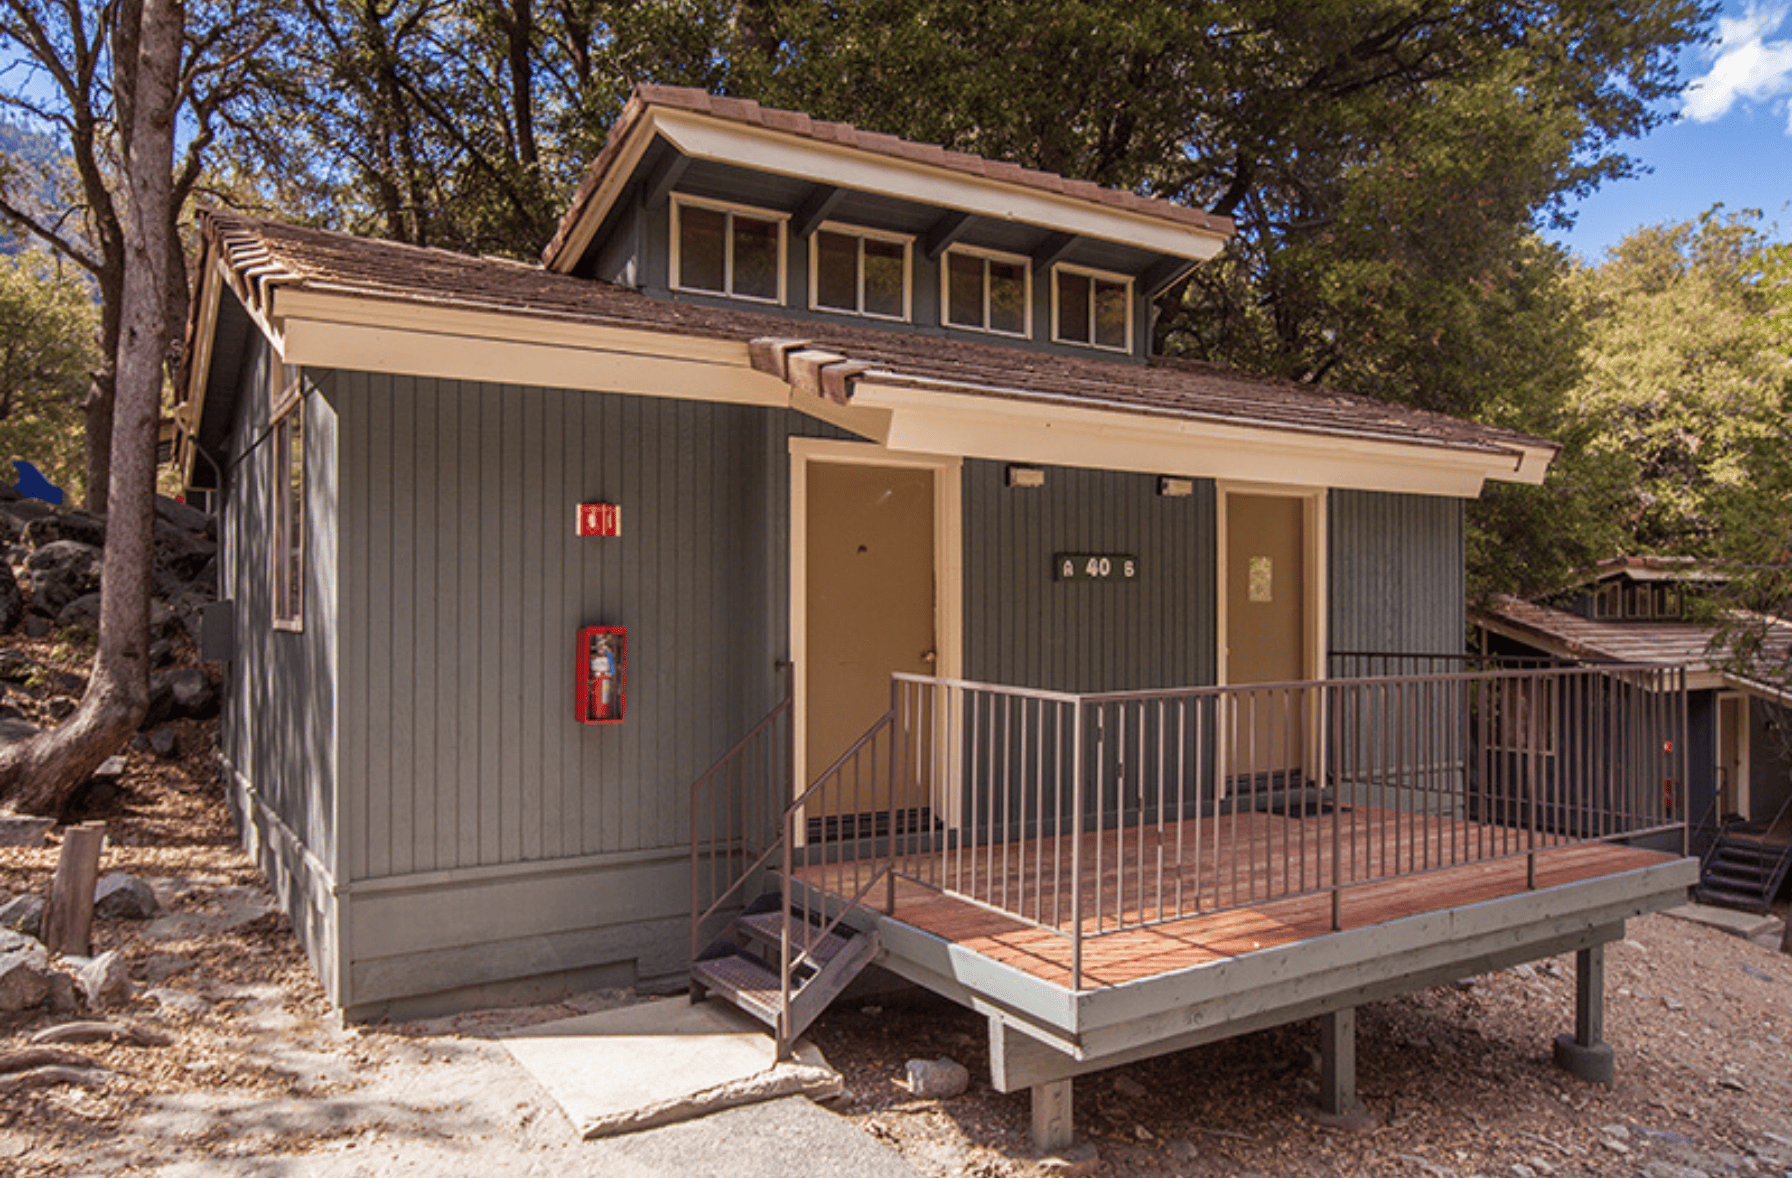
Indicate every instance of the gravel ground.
{"type": "Point", "coordinates": [260, 1078]}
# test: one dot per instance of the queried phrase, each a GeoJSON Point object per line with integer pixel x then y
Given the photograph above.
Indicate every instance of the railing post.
{"type": "Point", "coordinates": [1076, 850]}
{"type": "Point", "coordinates": [1329, 712]}
{"type": "Point", "coordinates": [1679, 674]}
{"type": "Point", "coordinates": [897, 746]}
{"type": "Point", "coordinates": [1530, 761]}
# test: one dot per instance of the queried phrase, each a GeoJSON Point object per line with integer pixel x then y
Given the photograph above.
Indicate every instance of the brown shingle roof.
{"type": "Point", "coordinates": [750, 113]}
{"type": "Point", "coordinates": [1667, 644]}
{"type": "Point", "coordinates": [267, 255]}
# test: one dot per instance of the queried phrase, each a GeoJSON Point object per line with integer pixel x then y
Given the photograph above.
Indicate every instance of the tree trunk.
{"type": "Point", "coordinates": [38, 775]}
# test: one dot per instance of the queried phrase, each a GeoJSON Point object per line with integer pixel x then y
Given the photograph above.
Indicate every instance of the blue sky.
{"type": "Point", "coordinates": [1731, 143]}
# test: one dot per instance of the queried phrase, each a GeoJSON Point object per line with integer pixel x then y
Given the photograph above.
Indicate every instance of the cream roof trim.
{"type": "Point", "coordinates": [707, 137]}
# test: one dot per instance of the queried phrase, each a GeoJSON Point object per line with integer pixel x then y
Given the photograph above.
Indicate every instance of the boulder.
{"type": "Point", "coordinates": [120, 896]}
{"type": "Point", "coordinates": [23, 915]}
{"type": "Point", "coordinates": [164, 743]}
{"type": "Point", "coordinates": [37, 626]}
{"type": "Point", "coordinates": [188, 519]}
{"type": "Point", "coordinates": [12, 600]}
{"type": "Point", "coordinates": [182, 552]}
{"type": "Point", "coordinates": [937, 1079]}
{"type": "Point", "coordinates": [23, 511]}
{"type": "Point", "coordinates": [23, 830]}
{"type": "Point", "coordinates": [24, 972]}
{"type": "Point", "coordinates": [13, 729]}
{"type": "Point", "coordinates": [83, 613]}
{"type": "Point", "coordinates": [104, 980]}
{"type": "Point", "coordinates": [62, 999]}
{"type": "Point", "coordinates": [161, 701]}
{"type": "Point", "coordinates": [77, 526]}
{"type": "Point", "coordinates": [161, 652]}
{"type": "Point", "coordinates": [62, 571]}
{"type": "Point", "coordinates": [194, 695]}
{"type": "Point", "coordinates": [61, 707]}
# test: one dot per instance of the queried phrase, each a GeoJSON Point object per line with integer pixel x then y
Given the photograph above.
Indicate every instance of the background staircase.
{"type": "Point", "coordinates": [1746, 866]}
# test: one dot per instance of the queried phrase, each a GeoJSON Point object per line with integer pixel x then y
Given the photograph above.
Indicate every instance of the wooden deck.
{"type": "Point", "coordinates": [1215, 903]}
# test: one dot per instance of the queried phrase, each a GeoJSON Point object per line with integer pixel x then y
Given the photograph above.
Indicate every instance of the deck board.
{"type": "Point", "coordinates": [1202, 907]}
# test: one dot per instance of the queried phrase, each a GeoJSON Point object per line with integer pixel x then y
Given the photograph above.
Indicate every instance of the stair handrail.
{"type": "Point", "coordinates": [813, 936]}
{"type": "Point", "coordinates": [1717, 834]}
{"type": "Point", "coordinates": [1778, 876]}
{"type": "Point", "coordinates": [784, 710]}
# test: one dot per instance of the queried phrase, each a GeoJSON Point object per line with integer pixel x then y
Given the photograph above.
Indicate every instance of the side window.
{"type": "Point", "coordinates": [1091, 308]}
{"type": "Point", "coordinates": [859, 272]}
{"type": "Point", "coordinates": [286, 542]}
{"type": "Point", "coordinates": [725, 250]}
{"type": "Point", "coordinates": [987, 292]}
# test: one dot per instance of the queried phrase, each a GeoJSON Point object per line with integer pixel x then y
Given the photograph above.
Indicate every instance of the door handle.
{"type": "Point", "coordinates": [930, 656]}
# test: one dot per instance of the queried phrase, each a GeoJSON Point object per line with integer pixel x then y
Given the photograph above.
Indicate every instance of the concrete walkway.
{"type": "Point", "coordinates": [1747, 925]}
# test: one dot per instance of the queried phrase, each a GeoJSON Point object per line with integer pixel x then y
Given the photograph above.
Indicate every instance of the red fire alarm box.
{"type": "Point", "coordinates": [599, 519]}
{"type": "Point", "coordinates": [601, 659]}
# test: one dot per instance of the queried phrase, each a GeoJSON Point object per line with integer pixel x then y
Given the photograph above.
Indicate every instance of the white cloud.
{"type": "Point", "coordinates": [1746, 66]}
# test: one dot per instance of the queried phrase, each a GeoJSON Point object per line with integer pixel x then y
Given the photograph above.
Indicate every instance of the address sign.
{"type": "Point", "coordinates": [1095, 566]}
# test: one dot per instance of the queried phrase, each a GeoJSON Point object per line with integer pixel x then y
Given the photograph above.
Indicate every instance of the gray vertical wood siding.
{"type": "Point", "coordinates": [1024, 628]}
{"type": "Point", "coordinates": [463, 587]}
{"type": "Point", "coordinates": [1397, 581]}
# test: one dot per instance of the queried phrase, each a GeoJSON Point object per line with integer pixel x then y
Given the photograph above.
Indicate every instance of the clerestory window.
{"type": "Point", "coordinates": [859, 272]}
{"type": "Point", "coordinates": [1091, 308]}
{"type": "Point", "coordinates": [986, 291]}
{"type": "Point", "coordinates": [727, 250]}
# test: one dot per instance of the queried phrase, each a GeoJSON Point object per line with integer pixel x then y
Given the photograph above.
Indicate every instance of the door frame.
{"type": "Point", "coordinates": [948, 564]}
{"type": "Point", "coordinates": [1744, 724]}
{"type": "Point", "coordinates": [1313, 532]}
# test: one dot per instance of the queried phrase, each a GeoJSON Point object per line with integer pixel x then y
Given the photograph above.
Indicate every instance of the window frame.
{"type": "Point", "coordinates": [1123, 280]}
{"type": "Point", "coordinates": [987, 256]}
{"type": "Point", "coordinates": [286, 564]}
{"type": "Point", "coordinates": [680, 202]}
{"type": "Point", "coordinates": [906, 241]}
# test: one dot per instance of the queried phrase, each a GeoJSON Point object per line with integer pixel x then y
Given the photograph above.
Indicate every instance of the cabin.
{"type": "Point", "coordinates": [809, 565]}
{"type": "Point", "coordinates": [1738, 783]}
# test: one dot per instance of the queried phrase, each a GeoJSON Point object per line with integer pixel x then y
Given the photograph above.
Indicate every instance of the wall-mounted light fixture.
{"type": "Point", "coordinates": [1026, 476]}
{"type": "Point", "coordinates": [1171, 488]}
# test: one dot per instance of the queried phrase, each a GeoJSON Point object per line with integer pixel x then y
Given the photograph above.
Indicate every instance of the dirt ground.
{"type": "Point", "coordinates": [260, 1078]}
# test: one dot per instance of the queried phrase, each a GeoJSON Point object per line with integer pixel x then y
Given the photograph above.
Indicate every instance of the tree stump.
{"type": "Point", "coordinates": [68, 914]}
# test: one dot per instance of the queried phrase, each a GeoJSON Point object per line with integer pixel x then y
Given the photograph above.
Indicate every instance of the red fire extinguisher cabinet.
{"type": "Point", "coordinates": [600, 662]}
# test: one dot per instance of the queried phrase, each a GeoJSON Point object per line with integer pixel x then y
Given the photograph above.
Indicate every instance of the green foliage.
{"type": "Point", "coordinates": [1687, 380]}
{"type": "Point", "coordinates": [48, 331]}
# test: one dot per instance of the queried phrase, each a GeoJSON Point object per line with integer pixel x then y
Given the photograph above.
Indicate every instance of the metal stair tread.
{"type": "Point", "coordinates": [745, 982]}
{"type": "Point", "coordinates": [1724, 895]}
{"type": "Point", "coordinates": [769, 928]}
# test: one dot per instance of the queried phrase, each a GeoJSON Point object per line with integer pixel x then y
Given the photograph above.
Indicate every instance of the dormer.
{"type": "Point", "coordinates": [723, 202]}
{"type": "Point", "coordinates": [1642, 589]}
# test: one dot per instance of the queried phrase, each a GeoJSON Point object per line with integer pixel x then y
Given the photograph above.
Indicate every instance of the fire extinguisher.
{"type": "Point", "coordinates": [603, 679]}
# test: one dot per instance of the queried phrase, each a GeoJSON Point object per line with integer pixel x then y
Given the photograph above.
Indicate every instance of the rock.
{"type": "Point", "coordinates": [83, 613]}
{"type": "Point", "coordinates": [111, 769]}
{"type": "Point", "coordinates": [1466, 984]}
{"type": "Point", "coordinates": [182, 516]}
{"type": "Point", "coordinates": [23, 830]}
{"type": "Point", "coordinates": [62, 571]}
{"type": "Point", "coordinates": [12, 600]}
{"type": "Point", "coordinates": [24, 915]}
{"type": "Point", "coordinates": [104, 980]}
{"type": "Point", "coordinates": [18, 667]}
{"type": "Point", "coordinates": [37, 626]}
{"type": "Point", "coordinates": [119, 896]}
{"type": "Point", "coordinates": [1613, 1144]}
{"type": "Point", "coordinates": [1672, 1003]}
{"type": "Point", "coordinates": [161, 653]}
{"type": "Point", "coordinates": [194, 695]}
{"type": "Point", "coordinates": [937, 1079]}
{"type": "Point", "coordinates": [1074, 1162]}
{"type": "Point", "coordinates": [1520, 1170]}
{"type": "Point", "coordinates": [14, 729]}
{"type": "Point", "coordinates": [1130, 1088]}
{"type": "Point", "coordinates": [163, 966]}
{"type": "Point", "coordinates": [24, 972]}
{"type": "Point", "coordinates": [61, 707]}
{"type": "Point", "coordinates": [183, 1001]}
{"type": "Point", "coordinates": [165, 743]}
{"type": "Point", "coordinates": [161, 701]}
{"type": "Point", "coordinates": [75, 526]}
{"type": "Point", "coordinates": [62, 998]}
{"type": "Point", "coordinates": [183, 553]}
{"type": "Point", "coordinates": [1526, 972]}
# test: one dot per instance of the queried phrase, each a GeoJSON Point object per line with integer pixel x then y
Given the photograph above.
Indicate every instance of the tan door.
{"type": "Point", "coordinates": [870, 580]}
{"type": "Point", "coordinates": [1266, 624]}
{"type": "Point", "coordinates": [1732, 755]}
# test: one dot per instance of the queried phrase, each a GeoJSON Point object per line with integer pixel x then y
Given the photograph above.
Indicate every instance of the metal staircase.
{"type": "Point", "coordinates": [783, 950]}
{"type": "Point", "coordinates": [1747, 864]}
{"type": "Point", "coordinates": [747, 965]}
